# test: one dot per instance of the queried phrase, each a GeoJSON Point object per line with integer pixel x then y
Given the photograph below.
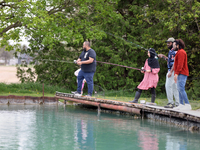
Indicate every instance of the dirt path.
{"type": "Point", "coordinates": [8, 74]}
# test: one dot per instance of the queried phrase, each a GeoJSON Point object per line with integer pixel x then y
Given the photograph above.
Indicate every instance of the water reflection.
{"type": "Point", "coordinates": [148, 141]}
{"type": "Point", "coordinates": [52, 127]}
{"type": "Point", "coordinates": [13, 120]}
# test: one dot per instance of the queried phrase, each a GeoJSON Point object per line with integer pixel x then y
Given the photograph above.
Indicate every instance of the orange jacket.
{"type": "Point", "coordinates": [180, 64]}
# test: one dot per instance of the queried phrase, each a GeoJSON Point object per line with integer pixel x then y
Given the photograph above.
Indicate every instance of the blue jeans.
{"type": "Point", "coordinates": [88, 76]}
{"type": "Point", "coordinates": [181, 89]}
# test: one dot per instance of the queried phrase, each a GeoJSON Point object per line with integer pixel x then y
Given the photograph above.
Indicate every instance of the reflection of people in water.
{"type": "Point", "coordinates": [84, 135]}
{"type": "Point", "coordinates": [172, 143]}
{"type": "Point", "coordinates": [148, 140]}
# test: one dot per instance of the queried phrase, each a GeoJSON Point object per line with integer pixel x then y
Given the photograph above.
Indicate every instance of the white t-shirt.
{"type": "Point", "coordinates": [76, 74]}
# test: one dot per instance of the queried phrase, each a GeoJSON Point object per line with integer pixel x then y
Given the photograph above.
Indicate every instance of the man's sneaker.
{"type": "Point", "coordinates": [186, 107]}
{"type": "Point", "coordinates": [169, 105]}
{"type": "Point", "coordinates": [73, 92]}
{"type": "Point", "coordinates": [76, 93]}
{"type": "Point", "coordinates": [180, 107]}
{"type": "Point", "coordinates": [88, 95]}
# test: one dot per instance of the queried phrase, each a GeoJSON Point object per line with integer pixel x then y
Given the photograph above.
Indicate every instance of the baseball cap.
{"type": "Point", "coordinates": [171, 39]}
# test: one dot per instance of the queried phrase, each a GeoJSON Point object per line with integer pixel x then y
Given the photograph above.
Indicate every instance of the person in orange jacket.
{"type": "Point", "coordinates": [181, 72]}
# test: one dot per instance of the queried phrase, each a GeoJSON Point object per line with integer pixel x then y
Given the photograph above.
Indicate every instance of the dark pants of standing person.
{"type": "Point", "coordinates": [88, 76]}
{"type": "Point", "coordinates": [138, 93]}
{"type": "Point", "coordinates": [153, 91]}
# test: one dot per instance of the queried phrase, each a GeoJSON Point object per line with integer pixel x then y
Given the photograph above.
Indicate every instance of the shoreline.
{"type": "Point", "coordinates": [189, 120]}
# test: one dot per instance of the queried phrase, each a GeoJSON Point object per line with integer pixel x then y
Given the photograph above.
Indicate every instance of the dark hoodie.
{"type": "Point", "coordinates": [152, 61]}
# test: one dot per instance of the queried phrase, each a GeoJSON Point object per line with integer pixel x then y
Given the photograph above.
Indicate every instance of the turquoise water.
{"type": "Point", "coordinates": [27, 127]}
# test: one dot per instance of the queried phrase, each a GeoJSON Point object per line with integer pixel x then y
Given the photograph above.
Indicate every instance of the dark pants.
{"type": "Point", "coordinates": [153, 91]}
{"type": "Point", "coordinates": [88, 76]}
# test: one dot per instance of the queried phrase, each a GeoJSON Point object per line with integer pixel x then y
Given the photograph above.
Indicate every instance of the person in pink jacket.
{"type": "Point", "coordinates": [150, 80]}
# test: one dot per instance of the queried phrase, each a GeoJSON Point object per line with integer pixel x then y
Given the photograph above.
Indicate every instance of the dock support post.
{"type": "Point", "coordinates": [99, 108]}
{"type": "Point", "coordinates": [99, 112]}
{"type": "Point", "coordinates": [43, 92]}
{"type": "Point", "coordinates": [142, 113]}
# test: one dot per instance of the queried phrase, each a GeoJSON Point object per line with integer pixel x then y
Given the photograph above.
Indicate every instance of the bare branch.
{"type": "Point", "coordinates": [4, 4]}
{"type": "Point", "coordinates": [17, 24]}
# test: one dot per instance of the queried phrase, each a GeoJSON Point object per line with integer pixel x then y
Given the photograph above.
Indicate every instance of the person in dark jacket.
{"type": "Point", "coordinates": [87, 61]}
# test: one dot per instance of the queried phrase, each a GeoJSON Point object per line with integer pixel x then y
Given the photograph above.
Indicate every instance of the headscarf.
{"type": "Point", "coordinates": [152, 61]}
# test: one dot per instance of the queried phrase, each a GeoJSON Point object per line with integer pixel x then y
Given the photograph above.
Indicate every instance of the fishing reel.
{"type": "Point", "coordinates": [75, 61]}
{"type": "Point", "coordinates": [142, 69]}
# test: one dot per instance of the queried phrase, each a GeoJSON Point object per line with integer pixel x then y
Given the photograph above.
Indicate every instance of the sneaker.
{"type": "Point", "coordinates": [76, 93]}
{"type": "Point", "coordinates": [73, 92]}
{"type": "Point", "coordinates": [180, 107]}
{"type": "Point", "coordinates": [187, 107]}
{"type": "Point", "coordinates": [169, 105]}
{"type": "Point", "coordinates": [150, 103]}
{"type": "Point", "coordinates": [88, 95]}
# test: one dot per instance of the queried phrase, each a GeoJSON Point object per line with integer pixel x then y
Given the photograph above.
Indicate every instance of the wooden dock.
{"type": "Point", "coordinates": [133, 108]}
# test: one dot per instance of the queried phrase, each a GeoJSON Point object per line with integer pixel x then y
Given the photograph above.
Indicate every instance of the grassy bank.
{"type": "Point", "coordinates": [36, 89]}
{"type": "Point", "coordinates": [29, 89]}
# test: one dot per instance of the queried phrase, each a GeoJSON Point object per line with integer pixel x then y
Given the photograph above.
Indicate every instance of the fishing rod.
{"type": "Point", "coordinates": [56, 60]}
{"type": "Point", "coordinates": [96, 61]}
{"type": "Point", "coordinates": [142, 69]}
{"type": "Point", "coordinates": [116, 65]}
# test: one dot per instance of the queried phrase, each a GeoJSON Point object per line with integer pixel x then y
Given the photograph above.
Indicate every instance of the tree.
{"type": "Point", "coordinates": [109, 25]}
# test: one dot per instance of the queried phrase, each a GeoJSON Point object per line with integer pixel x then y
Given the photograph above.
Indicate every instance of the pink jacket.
{"type": "Point", "coordinates": [150, 79]}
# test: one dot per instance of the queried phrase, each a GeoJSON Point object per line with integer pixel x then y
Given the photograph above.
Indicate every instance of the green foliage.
{"type": "Point", "coordinates": [193, 92]}
{"type": "Point", "coordinates": [24, 73]}
{"type": "Point", "coordinates": [107, 24]}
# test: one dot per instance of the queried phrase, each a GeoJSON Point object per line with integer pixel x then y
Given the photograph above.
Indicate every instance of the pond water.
{"type": "Point", "coordinates": [28, 127]}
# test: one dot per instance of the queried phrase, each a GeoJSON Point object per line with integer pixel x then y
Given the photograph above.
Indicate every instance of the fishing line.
{"type": "Point", "coordinates": [128, 42]}
{"type": "Point", "coordinates": [125, 40]}
{"type": "Point", "coordinates": [96, 61]}
{"type": "Point", "coordinates": [195, 78]}
{"type": "Point", "coordinates": [56, 60]}
{"type": "Point", "coordinates": [118, 65]}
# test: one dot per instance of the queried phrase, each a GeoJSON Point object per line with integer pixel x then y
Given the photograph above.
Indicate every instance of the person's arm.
{"type": "Point", "coordinates": [175, 78]}
{"type": "Point", "coordinates": [170, 72]}
{"type": "Point", "coordinates": [144, 68]}
{"type": "Point", "coordinates": [86, 62]}
{"type": "Point", "coordinates": [155, 70]}
{"type": "Point", "coordinates": [163, 56]}
{"type": "Point", "coordinates": [78, 60]}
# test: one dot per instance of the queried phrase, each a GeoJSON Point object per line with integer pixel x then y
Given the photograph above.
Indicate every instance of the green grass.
{"type": "Point", "coordinates": [35, 89]}
{"type": "Point", "coordinates": [29, 89]}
